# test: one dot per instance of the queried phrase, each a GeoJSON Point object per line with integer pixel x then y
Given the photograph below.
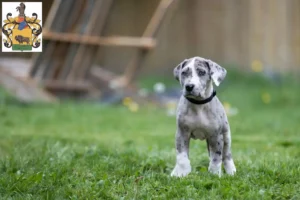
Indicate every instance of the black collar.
{"type": "Point", "coordinates": [202, 101]}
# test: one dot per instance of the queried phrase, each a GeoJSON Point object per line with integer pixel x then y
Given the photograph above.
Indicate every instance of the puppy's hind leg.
{"type": "Point", "coordinates": [227, 156]}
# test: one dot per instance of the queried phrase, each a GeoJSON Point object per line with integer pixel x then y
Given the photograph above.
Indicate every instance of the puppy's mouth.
{"type": "Point", "coordinates": [193, 95]}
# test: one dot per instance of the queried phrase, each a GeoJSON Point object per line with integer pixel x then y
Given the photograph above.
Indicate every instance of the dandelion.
{"type": "Point", "coordinates": [257, 66]}
{"type": "Point", "coordinates": [127, 101]}
{"type": "Point", "coordinates": [130, 104]}
{"type": "Point", "coordinates": [266, 98]}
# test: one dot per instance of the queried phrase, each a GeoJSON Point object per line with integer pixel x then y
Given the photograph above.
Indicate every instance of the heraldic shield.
{"type": "Point", "coordinates": [22, 32]}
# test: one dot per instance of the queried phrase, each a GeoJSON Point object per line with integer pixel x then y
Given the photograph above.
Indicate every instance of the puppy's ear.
{"type": "Point", "coordinates": [217, 73]}
{"type": "Point", "coordinates": [178, 68]}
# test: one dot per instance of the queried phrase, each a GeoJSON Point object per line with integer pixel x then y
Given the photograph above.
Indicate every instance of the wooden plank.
{"type": "Point", "coordinates": [24, 89]}
{"type": "Point", "coordinates": [80, 29]}
{"type": "Point", "coordinates": [95, 18]}
{"type": "Point", "coordinates": [66, 15]}
{"type": "Point", "coordinates": [41, 61]}
{"type": "Point", "coordinates": [52, 14]}
{"type": "Point", "coordinates": [86, 54]}
{"type": "Point", "coordinates": [102, 74]}
{"type": "Point", "coordinates": [144, 42]}
{"type": "Point", "coordinates": [54, 65]}
{"type": "Point", "coordinates": [18, 67]}
{"type": "Point", "coordinates": [36, 58]}
{"type": "Point", "coordinates": [157, 18]}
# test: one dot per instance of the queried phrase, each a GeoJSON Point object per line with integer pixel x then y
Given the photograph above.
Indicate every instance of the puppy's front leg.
{"type": "Point", "coordinates": [215, 143]}
{"type": "Point", "coordinates": [183, 166]}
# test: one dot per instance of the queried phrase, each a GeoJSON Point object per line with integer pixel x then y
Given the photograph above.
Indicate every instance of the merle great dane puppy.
{"type": "Point", "coordinates": [200, 115]}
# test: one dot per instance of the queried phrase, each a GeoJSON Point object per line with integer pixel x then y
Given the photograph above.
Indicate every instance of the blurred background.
{"type": "Point", "coordinates": [100, 49]}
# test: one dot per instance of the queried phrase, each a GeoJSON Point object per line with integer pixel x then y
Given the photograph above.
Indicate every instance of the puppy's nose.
{"type": "Point", "coordinates": [189, 87]}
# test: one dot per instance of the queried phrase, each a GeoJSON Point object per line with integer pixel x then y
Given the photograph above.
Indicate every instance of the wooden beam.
{"type": "Point", "coordinates": [102, 74]}
{"type": "Point", "coordinates": [52, 14]}
{"type": "Point", "coordinates": [55, 65]}
{"type": "Point", "coordinates": [157, 18]}
{"type": "Point", "coordinates": [58, 12]}
{"type": "Point", "coordinates": [144, 42]}
{"type": "Point", "coordinates": [81, 62]}
{"type": "Point", "coordinates": [40, 62]}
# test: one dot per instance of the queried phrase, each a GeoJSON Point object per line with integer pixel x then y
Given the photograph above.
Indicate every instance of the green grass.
{"type": "Point", "coordinates": [89, 151]}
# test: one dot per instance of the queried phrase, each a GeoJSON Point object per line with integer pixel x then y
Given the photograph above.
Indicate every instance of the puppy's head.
{"type": "Point", "coordinates": [196, 76]}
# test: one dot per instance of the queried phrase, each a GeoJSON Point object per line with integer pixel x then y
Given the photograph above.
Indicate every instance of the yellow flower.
{"type": "Point", "coordinates": [257, 66]}
{"type": "Point", "coordinates": [127, 101]}
{"type": "Point", "coordinates": [266, 98]}
{"type": "Point", "coordinates": [133, 107]}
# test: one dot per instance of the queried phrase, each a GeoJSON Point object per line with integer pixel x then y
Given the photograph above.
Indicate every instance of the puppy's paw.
{"type": "Point", "coordinates": [229, 167]}
{"type": "Point", "coordinates": [182, 167]}
{"type": "Point", "coordinates": [215, 169]}
{"type": "Point", "coordinates": [181, 170]}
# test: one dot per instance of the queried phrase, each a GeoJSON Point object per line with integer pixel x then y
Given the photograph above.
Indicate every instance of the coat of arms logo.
{"type": "Point", "coordinates": [22, 32]}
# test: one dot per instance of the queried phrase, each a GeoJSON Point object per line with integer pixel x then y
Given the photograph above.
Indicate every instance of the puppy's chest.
{"type": "Point", "coordinates": [202, 125]}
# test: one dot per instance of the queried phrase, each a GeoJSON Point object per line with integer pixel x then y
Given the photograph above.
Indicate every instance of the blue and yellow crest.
{"type": "Point", "coordinates": [22, 32]}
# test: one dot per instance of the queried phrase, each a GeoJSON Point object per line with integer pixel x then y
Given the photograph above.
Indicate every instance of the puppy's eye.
{"type": "Point", "coordinates": [184, 73]}
{"type": "Point", "coordinates": [201, 72]}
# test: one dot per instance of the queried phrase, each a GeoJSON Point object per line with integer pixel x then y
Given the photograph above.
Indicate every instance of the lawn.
{"type": "Point", "coordinates": [92, 151]}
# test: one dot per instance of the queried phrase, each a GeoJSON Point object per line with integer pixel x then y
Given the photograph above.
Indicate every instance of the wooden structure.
{"type": "Point", "coordinates": [72, 36]}
{"type": "Point", "coordinates": [66, 62]}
